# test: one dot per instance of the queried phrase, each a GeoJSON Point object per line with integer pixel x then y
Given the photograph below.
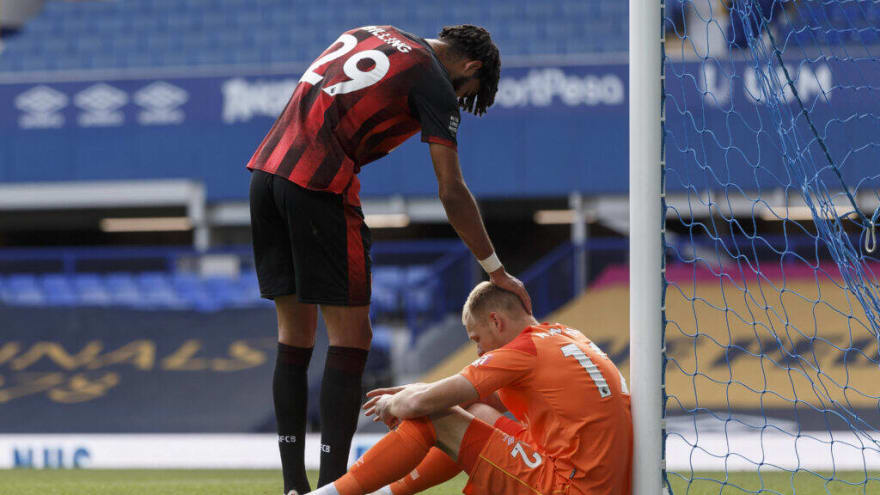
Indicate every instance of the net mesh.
{"type": "Point", "coordinates": [772, 149]}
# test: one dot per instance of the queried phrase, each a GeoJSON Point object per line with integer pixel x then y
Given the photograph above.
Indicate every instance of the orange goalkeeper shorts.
{"type": "Point", "coordinates": [506, 465]}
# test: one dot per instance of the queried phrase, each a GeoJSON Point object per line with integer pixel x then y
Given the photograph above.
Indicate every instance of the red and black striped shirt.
{"type": "Point", "coordinates": [371, 90]}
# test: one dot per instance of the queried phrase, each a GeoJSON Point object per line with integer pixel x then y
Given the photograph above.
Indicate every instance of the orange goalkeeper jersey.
{"type": "Point", "coordinates": [572, 400]}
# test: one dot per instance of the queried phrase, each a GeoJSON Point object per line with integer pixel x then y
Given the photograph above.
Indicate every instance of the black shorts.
{"type": "Point", "coordinates": [308, 243]}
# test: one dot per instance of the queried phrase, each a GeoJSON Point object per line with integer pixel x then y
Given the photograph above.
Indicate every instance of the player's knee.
{"type": "Point", "coordinates": [296, 337]}
{"type": "Point", "coordinates": [485, 412]}
{"type": "Point", "coordinates": [419, 429]}
{"type": "Point", "coordinates": [297, 322]}
{"type": "Point", "coordinates": [476, 408]}
{"type": "Point", "coordinates": [365, 331]}
{"type": "Point", "coordinates": [296, 333]}
{"type": "Point", "coordinates": [354, 333]}
{"type": "Point", "coordinates": [360, 332]}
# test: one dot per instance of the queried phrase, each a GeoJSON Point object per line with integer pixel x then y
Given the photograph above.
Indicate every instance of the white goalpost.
{"type": "Point", "coordinates": [645, 248]}
{"type": "Point", "coordinates": [754, 279]}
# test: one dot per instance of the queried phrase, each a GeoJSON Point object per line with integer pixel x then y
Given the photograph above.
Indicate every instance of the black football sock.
{"type": "Point", "coordinates": [340, 406]}
{"type": "Point", "coordinates": [290, 389]}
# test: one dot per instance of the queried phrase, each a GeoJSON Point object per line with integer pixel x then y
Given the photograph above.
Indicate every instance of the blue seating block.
{"type": "Point", "coordinates": [421, 287]}
{"type": "Point", "coordinates": [82, 34]}
{"type": "Point", "coordinates": [157, 291]}
{"type": "Point", "coordinates": [387, 287]}
{"type": "Point", "coordinates": [90, 290]}
{"type": "Point", "coordinates": [398, 291]}
{"type": "Point", "coordinates": [58, 290]}
{"type": "Point", "coordinates": [22, 289]}
{"type": "Point", "coordinates": [123, 290]}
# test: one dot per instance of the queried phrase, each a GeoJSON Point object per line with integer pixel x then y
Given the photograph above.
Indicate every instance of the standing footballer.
{"type": "Point", "coordinates": [373, 88]}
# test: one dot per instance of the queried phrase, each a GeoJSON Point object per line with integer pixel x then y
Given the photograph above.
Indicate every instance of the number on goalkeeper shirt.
{"type": "Point", "coordinates": [592, 369]}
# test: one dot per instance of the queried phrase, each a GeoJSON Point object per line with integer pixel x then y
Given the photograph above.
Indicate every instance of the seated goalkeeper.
{"type": "Point", "coordinates": [574, 434]}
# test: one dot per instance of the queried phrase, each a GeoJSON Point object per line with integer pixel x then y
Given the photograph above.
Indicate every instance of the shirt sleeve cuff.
{"type": "Point", "coordinates": [476, 386]}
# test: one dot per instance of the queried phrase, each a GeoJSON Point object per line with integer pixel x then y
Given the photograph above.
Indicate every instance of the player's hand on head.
{"type": "Point", "coordinates": [508, 282]}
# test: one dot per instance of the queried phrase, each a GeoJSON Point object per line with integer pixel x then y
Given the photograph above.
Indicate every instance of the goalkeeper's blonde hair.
{"type": "Point", "coordinates": [486, 297]}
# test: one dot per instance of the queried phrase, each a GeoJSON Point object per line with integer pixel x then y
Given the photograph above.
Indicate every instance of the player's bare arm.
{"type": "Point", "coordinates": [464, 216]}
{"type": "Point", "coordinates": [418, 399]}
{"type": "Point", "coordinates": [494, 401]}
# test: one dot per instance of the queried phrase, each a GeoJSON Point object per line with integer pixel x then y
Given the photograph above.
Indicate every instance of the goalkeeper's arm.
{"type": "Point", "coordinates": [493, 401]}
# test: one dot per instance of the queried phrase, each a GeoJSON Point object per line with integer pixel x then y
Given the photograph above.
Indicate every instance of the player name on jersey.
{"type": "Point", "coordinates": [388, 38]}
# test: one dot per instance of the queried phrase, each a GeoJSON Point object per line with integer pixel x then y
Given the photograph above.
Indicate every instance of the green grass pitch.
{"type": "Point", "coordinates": [159, 482]}
{"type": "Point", "coordinates": [259, 482]}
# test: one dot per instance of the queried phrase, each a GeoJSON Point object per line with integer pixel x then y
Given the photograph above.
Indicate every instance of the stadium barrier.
{"type": "Point", "coordinates": [151, 451]}
{"type": "Point", "coordinates": [260, 451]}
{"type": "Point", "coordinates": [158, 451]}
{"type": "Point", "coordinates": [106, 370]}
{"type": "Point", "coordinates": [42, 118]}
{"type": "Point", "coordinates": [553, 105]}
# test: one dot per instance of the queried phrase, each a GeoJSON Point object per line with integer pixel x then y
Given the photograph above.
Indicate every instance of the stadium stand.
{"type": "Point", "coordinates": [193, 33]}
{"type": "Point", "coordinates": [395, 287]}
{"type": "Point", "coordinates": [417, 299]}
{"type": "Point", "coordinates": [811, 23]}
{"type": "Point", "coordinates": [427, 281]}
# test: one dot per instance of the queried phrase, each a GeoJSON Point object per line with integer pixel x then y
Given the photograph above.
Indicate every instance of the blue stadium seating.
{"type": "Point", "coordinates": [58, 290]}
{"type": "Point", "coordinates": [396, 290]}
{"type": "Point", "coordinates": [385, 297]}
{"type": "Point", "coordinates": [123, 290]}
{"type": "Point", "coordinates": [421, 289]}
{"type": "Point", "coordinates": [812, 22]}
{"type": "Point", "coordinates": [175, 33]}
{"type": "Point", "coordinates": [156, 290]}
{"type": "Point", "coordinates": [22, 289]}
{"type": "Point", "coordinates": [90, 290]}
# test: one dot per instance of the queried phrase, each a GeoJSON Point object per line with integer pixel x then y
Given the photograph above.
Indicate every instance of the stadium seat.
{"type": "Point", "coordinates": [387, 286]}
{"type": "Point", "coordinates": [123, 290]}
{"type": "Point", "coordinates": [157, 291]}
{"type": "Point", "coordinates": [421, 287]}
{"type": "Point", "coordinates": [382, 337]}
{"type": "Point", "coordinates": [194, 293]}
{"type": "Point", "coordinates": [385, 298]}
{"type": "Point", "coordinates": [398, 291]}
{"type": "Point", "coordinates": [90, 290]}
{"type": "Point", "coordinates": [57, 289]}
{"type": "Point", "coordinates": [225, 291]}
{"type": "Point", "coordinates": [22, 289]}
{"type": "Point", "coordinates": [250, 288]}
{"type": "Point", "coordinates": [163, 33]}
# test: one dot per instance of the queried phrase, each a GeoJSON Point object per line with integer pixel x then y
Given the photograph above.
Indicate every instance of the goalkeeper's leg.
{"type": "Point", "coordinates": [495, 461]}
{"type": "Point", "coordinates": [437, 467]}
{"type": "Point", "coordinates": [456, 432]}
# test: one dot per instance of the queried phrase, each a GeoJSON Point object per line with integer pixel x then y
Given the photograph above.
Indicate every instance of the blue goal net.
{"type": "Point", "coordinates": [772, 198]}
